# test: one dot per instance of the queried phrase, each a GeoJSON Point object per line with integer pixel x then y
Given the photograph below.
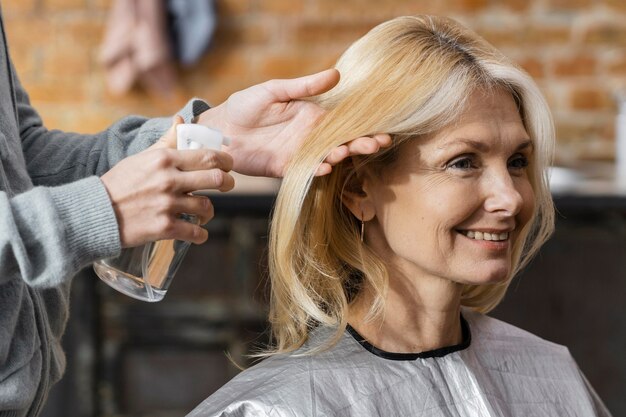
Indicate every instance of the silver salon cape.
{"type": "Point", "coordinates": [498, 370]}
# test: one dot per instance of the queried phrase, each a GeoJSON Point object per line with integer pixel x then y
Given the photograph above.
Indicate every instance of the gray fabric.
{"type": "Point", "coordinates": [55, 218]}
{"type": "Point", "coordinates": [193, 25]}
{"type": "Point", "coordinates": [504, 371]}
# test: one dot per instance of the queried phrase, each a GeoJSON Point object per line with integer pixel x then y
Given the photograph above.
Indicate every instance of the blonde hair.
{"type": "Point", "coordinates": [407, 77]}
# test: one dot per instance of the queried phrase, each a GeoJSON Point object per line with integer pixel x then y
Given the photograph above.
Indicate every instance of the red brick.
{"type": "Point", "coordinates": [533, 66]}
{"type": "Point", "coordinates": [471, 5]}
{"type": "Point", "coordinates": [54, 91]}
{"type": "Point", "coordinates": [516, 5]}
{"type": "Point", "coordinates": [282, 7]}
{"type": "Point", "coordinates": [358, 9]}
{"type": "Point", "coordinates": [88, 31]}
{"type": "Point", "coordinates": [293, 65]}
{"type": "Point", "coordinates": [608, 131]}
{"type": "Point", "coordinates": [542, 35]}
{"type": "Point", "coordinates": [591, 99]}
{"type": "Point", "coordinates": [64, 5]}
{"type": "Point", "coordinates": [617, 66]}
{"type": "Point", "coordinates": [54, 117]}
{"type": "Point", "coordinates": [569, 4]}
{"type": "Point", "coordinates": [66, 63]}
{"type": "Point", "coordinates": [100, 5]}
{"type": "Point", "coordinates": [609, 34]}
{"type": "Point", "coordinates": [128, 103]}
{"type": "Point", "coordinates": [412, 7]}
{"type": "Point", "coordinates": [29, 32]}
{"type": "Point", "coordinates": [577, 65]}
{"type": "Point", "coordinates": [233, 7]}
{"type": "Point", "coordinates": [16, 7]}
{"type": "Point", "coordinates": [572, 127]}
{"type": "Point", "coordinates": [89, 120]}
{"type": "Point", "coordinates": [220, 64]}
{"type": "Point", "coordinates": [217, 92]}
{"type": "Point", "coordinates": [618, 5]}
{"type": "Point", "coordinates": [569, 130]}
{"type": "Point", "coordinates": [324, 32]}
{"type": "Point", "coordinates": [236, 34]}
{"type": "Point", "coordinates": [499, 37]}
{"type": "Point", "coordinates": [525, 36]}
{"type": "Point", "coordinates": [26, 63]}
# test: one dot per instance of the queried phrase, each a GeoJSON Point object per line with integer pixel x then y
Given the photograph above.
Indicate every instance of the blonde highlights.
{"type": "Point", "coordinates": [407, 77]}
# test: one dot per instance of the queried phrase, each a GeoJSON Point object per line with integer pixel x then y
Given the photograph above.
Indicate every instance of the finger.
{"type": "Point", "coordinates": [307, 86]}
{"type": "Point", "coordinates": [203, 159]}
{"type": "Point", "coordinates": [183, 230]}
{"type": "Point", "coordinates": [169, 139]}
{"type": "Point", "coordinates": [383, 139]}
{"type": "Point", "coordinates": [212, 179]}
{"type": "Point", "coordinates": [337, 155]}
{"type": "Point", "coordinates": [323, 169]}
{"type": "Point", "coordinates": [365, 145]}
{"type": "Point", "coordinates": [360, 146]}
{"type": "Point", "coordinates": [201, 207]}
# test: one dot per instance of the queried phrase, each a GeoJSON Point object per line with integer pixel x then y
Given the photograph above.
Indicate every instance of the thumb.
{"type": "Point", "coordinates": [168, 140]}
{"type": "Point", "coordinates": [307, 86]}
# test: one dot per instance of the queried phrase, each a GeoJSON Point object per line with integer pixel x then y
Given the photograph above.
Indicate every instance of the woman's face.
{"type": "Point", "coordinates": [453, 204]}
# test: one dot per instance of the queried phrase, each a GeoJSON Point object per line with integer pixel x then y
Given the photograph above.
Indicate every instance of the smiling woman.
{"type": "Point", "coordinates": [453, 205]}
{"type": "Point", "coordinates": [382, 271]}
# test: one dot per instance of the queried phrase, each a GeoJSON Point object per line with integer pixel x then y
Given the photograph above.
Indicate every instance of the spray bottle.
{"type": "Point", "coordinates": [145, 272]}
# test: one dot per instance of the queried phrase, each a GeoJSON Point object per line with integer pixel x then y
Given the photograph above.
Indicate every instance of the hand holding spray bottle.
{"type": "Point", "coordinates": [145, 272]}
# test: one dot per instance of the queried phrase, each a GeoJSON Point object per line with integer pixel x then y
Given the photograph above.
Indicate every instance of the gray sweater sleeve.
{"type": "Point", "coordinates": [48, 233]}
{"type": "Point", "coordinates": [54, 157]}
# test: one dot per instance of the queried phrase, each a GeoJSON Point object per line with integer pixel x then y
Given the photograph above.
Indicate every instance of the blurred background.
{"type": "Point", "coordinates": [85, 65]}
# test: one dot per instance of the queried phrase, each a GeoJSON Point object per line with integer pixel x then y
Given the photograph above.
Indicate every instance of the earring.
{"type": "Point", "coordinates": [362, 226]}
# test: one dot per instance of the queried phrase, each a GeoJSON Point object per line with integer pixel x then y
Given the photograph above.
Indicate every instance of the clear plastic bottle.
{"type": "Point", "coordinates": [146, 272]}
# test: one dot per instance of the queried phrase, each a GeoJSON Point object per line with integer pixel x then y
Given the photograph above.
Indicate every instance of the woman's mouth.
{"type": "Point", "coordinates": [493, 236]}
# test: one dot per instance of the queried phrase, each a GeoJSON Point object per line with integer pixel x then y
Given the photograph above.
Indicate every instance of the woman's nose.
{"type": "Point", "coordinates": [502, 195]}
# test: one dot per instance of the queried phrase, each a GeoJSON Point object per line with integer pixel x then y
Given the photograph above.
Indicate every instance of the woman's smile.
{"type": "Point", "coordinates": [488, 239]}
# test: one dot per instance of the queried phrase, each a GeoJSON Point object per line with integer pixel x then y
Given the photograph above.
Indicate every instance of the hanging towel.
{"type": "Point", "coordinates": [136, 47]}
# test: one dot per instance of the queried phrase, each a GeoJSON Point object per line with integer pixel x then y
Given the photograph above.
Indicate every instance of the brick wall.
{"type": "Point", "coordinates": [576, 49]}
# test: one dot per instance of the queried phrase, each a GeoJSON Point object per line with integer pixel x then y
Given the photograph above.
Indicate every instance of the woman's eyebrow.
{"type": "Point", "coordinates": [526, 144]}
{"type": "Point", "coordinates": [481, 146]}
{"type": "Point", "coordinates": [478, 145]}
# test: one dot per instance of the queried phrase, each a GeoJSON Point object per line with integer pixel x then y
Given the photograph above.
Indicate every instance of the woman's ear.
{"type": "Point", "coordinates": [356, 197]}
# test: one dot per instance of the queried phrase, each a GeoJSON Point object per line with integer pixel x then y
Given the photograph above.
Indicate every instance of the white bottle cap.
{"type": "Point", "coordinates": [194, 136]}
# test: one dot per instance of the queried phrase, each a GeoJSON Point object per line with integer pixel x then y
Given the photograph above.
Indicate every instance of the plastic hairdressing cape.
{"type": "Point", "coordinates": [498, 370]}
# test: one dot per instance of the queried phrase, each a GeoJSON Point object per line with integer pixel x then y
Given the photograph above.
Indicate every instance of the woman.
{"type": "Point", "coordinates": [381, 271]}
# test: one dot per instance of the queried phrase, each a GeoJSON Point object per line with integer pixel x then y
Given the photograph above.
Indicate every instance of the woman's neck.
{"type": "Point", "coordinates": [417, 316]}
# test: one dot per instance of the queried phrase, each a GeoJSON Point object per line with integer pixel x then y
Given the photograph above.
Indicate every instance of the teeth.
{"type": "Point", "coordinates": [486, 236]}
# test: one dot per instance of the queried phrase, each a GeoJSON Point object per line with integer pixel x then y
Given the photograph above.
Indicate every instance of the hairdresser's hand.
{"type": "Point", "coordinates": [150, 189]}
{"type": "Point", "coordinates": [268, 122]}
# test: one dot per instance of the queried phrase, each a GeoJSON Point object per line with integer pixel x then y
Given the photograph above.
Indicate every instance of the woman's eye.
{"type": "Point", "coordinates": [518, 162]}
{"type": "Point", "coordinates": [461, 163]}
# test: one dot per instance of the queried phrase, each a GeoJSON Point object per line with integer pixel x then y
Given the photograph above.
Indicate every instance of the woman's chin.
{"type": "Point", "coordinates": [488, 277]}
